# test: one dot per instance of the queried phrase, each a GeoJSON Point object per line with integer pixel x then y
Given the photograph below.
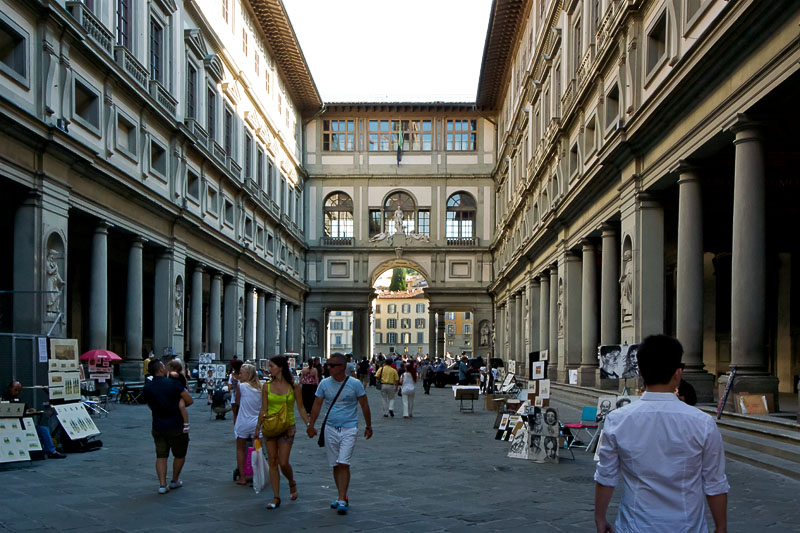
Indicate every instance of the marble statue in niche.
{"type": "Point", "coordinates": [626, 286]}
{"type": "Point", "coordinates": [239, 320]}
{"type": "Point", "coordinates": [55, 283]}
{"type": "Point", "coordinates": [560, 304]}
{"type": "Point", "coordinates": [484, 339]}
{"type": "Point", "coordinates": [178, 312]}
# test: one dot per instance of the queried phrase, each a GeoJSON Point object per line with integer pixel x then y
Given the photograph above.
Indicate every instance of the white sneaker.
{"type": "Point", "coordinates": [163, 489]}
{"type": "Point", "coordinates": [175, 484]}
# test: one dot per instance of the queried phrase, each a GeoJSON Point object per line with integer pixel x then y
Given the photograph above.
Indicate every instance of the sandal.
{"type": "Point", "coordinates": [293, 491]}
{"type": "Point", "coordinates": [274, 504]}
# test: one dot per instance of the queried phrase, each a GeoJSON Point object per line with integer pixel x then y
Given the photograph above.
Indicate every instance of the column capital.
{"type": "Point", "coordinates": [684, 166]}
{"type": "Point", "coordinates": [744, 127]}
{"type": "Point", "coordinates": [571, 257]}
{"type": "Point", "coordinates": [608, 230]}
{"type": "Point", "coordinates": [138, 241]}
{"type": "Point", "coordinates": [200, 267]}
{"type": "Point", "coordinates": [647, 200]}
{"type": "Point", "coordinates": [102, 227]}
{"type": "Point", "coordinates": [587, 245]}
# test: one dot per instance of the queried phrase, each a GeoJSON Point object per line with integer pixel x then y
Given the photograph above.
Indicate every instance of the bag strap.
{"type": "Point", "coordinates": [334, 400]}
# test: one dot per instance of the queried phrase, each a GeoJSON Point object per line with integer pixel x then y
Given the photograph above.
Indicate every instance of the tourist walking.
{"type": "Point", "coordinates": [669, 454]}
{"type": "Point", "coordinates": [408, 384]}
{"type": "Point", "coordinates": [309, 379]}
{"type": "Point", "coordinates": [388, 378]}
{"type": "Point", "coordinates": [246, 423]}
{"type": "Point", "coordinates": [341, 396]}
{"type": "Point", "coordinates": [163, 396]}
{"type": "Point", "coordinates": [277, 395]}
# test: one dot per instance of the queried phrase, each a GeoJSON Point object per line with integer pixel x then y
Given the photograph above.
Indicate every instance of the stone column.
{"type": "Point", "coordinates": [512, 327]}
{"type": "Point", "coordinates": [196, 311]}
{"type": "Point", "coordinates": [748, 270]}
{"type": "Point", "coordinates": [249, 324]}
{"type": "Point", "coordinates": [282, 328]}
{"type": "Point", "coordinates": [133, 308]}
{"type": "Point", "coordinates": [271, 326]}
{"type": "Point", "coordinates": [570, 329]}
{"type": "Point", "coordinates": [261, 330]}
{"type": "Point", "coordinates": [689, 302]}
{"type": "Point", "coordinates": [25, 312]}
{"type": "Point", "coordinates": [431, 332]}
{"type": "Point", "coordinates": [441, 346]}
{"type": "Point", "coordinates": [544, 312]}
{"type": "Point", "coordinates": [290, 327]}
{"type": "Point", "coordinates": [229, 318]}
{"type": "Point", "coordinates": [648, 312]}
{"type": "Point", "coordinates": [98, 292]}
{"type": "Point", "coordinates": [519, 339]}
{"type": "Point", "coordinates": [532, 292]}
{"type": "Point", "coordinates": [552, 365]}
{"type": "Point", "coordinates": [589, 363]}
{"type": "Point", "coordinates": [163, 306]}
{"type": "Point", "coordinates": [609, 298]}
{"type": "Point", "coordinates": [215, 316]}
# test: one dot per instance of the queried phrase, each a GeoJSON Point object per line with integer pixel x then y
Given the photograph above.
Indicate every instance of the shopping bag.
{"type": "Point", "coordinates": [260, 469]}
{"type": "Point", "coordinates": [248, 466]}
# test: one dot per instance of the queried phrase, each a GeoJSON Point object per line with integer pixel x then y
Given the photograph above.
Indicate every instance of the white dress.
{"type": "Point", "coordinates": [249, 407]}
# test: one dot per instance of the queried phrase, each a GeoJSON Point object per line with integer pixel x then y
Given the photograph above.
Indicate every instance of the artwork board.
{"type": "Point", "coordinates": [752, 404]}
{"type": "Point", "coordinates": [544, 389]}
{"type": "Point", "coordinates": [75, 420]}
{"type": "Point", "coordinates": [573, 376]}
{"type": "Point", "coordinates": [72, 386]}
{"type": "Point", "coordinates": [512, 367]}
{"type": "Point", "coordinates": [206, 358]}
{"type": "Point", "coordinates": [508, 383]}
{"type": "Point", "coordinates": [519, 443]}
{"type": "Point", "coordinates": [544, 355]}
{"type": "Point", "coordinates": [13, 443]}
{"type": "Point", "coordinates": [501, 428]}
{"type": "Point", "coordinates": [550, 427]}
{"type": "Point", "coordinates": [11, 410]}
{"type": "Point", "coordinates": [605, 404]}
{"type": "Point", "coordinates": [537, 370]}
{"type": "Point", "coordinates": [618, 361]}
{"type": "Point", "coordinates": [536, 451]}
{"type": "Point", "coordinates": [31, 437]}
{"type": "Point", "coordinates": [64, 354]}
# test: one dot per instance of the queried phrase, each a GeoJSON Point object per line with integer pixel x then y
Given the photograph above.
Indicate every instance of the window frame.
{"type": "Point", "coordinates": [21, 52]}
{"type": "Point", "coordinates": [98, 102]}
{"type": "Point", "coordinates": [191, 89]}
{"type": "Point", "coordinates": [123, 24]}
{"type": "Point", "coordinates": [460, 216]}
{"type": "Point", "coordinates": [451, 135]}
{"type": "Point", "coordinates": [652, 66]}
{"type": "Point", "coordinates": [338, 216]}
{"type": "Point", "coordinates": [156, 48]}
{"type": "Point", "coordinates": [329, 133]}
{"type": "Point", "coordinates": [165, 149]}
{"type": "Point", "coordinates": [120, 115]}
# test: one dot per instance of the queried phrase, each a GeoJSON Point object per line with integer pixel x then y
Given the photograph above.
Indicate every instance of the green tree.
{"type": "Point", "coordinates": [398, 280]}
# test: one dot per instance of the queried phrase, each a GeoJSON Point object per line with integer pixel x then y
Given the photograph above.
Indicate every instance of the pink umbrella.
{"type": "Point", "coordinates": [100, 355]}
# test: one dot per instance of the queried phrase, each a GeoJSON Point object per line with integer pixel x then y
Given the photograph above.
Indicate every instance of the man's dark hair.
{"type": "Point", "coordinates": [153, 366]}
{"type": "Point", "coordinates": [687, 393]}
{"type": "Point", "coordinates": [659, 356]}
{"type": "Point", "coordinates": [236, 364]}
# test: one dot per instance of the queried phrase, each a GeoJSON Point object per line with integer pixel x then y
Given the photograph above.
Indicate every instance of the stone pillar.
{"type": "Point", "coordinates": [589, 363]}
{"type": "Point", "coordinates": [441, 346]}
{"type": "Point", "coordinates": [282, 328]}
{"type": "Point", "coordinates": [298, 332]}
{"type": "Point", "coordinates": [26, 314]}
{"type": "Point", "coordinates": [271, 326]}
{"type": "Point", "coordinates": [552, 365]}
{"type": "Point", "coordinates": [290, 347]}
{"type": "Point", "coordinates": [229, 319]}
{"type": "Point", "coordinates": [163, 306]}
{"type": "Point", "coordinates": [432, 332]}
{"type": "Point", "coordinates": [261, 330]}
{"type": "Point", "coordinates": [98, 293]}
{"type": "Point", "coordinates": [544, 312]}
{"type": "Point", "coordinates": [689, 302]}
{"type": "Point", "coordinates": [215, 316]}
{"type": "Point", "coordinates": [748, 270]}
{"type": "Point", "coordinates": [532, 293]}
{"type": "Point", "coordinates": [570, 319]}
{"type": "Point", "coordinates": [196, 312]}
{"type": "Point", "coordinates": [520, 355]}
{"type": "Point", "coordinates": [249, 324]}
{"type": "Point", "coordinates": [609, 297]}
{"type": "Point", "coordinates": [133, 308]}
{"type": "Point", "coordinates": [649, 269]}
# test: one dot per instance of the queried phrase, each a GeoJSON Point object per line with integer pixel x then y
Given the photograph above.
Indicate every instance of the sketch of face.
{"type": "Point", "coordinates": [550, 445]}
{"type": "Point", "coordinates": [605, 407]}
{"type": "Point", "coordinates": [537, 421]}
{"type": "Point", "coordinates": [536, 443]}
{"type": "Point", "coordinates": [550, 417]}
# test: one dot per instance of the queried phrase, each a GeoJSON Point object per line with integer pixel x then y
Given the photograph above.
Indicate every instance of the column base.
{"type": "Point", "coordinates": [586, 376]}
{"type": "Point", "coordinates": [703, 384]}
{"type": "Point", "coordinates": [610, 384]}
{"type": "Point", "coordinates": [563, 375]}
{"type": "Point", "coordinates": [130, 370]}
{"type": "Point", "coordinates": [751, 384]}
{"type": "Point", "coordinates": [552, 372]}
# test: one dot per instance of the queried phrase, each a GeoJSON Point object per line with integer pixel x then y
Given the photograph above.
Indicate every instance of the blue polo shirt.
{"type": "Point", "coordinates": [345, 411]}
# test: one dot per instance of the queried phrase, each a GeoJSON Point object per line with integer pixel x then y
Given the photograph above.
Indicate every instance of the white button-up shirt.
{"type": "Point", "coordinates": [670, 455]}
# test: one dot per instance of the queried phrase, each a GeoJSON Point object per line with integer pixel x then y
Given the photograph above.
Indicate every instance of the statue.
{"type": "Point", "coordinates": [178, 313]}
{"type": "Point", "coordinates": [484, 334]}
{"type": "Point", "coordinates": [239, 323]}
{"type": "Point", "coordinates": [626, 286]}
{"type": "Point", "coordinates": [54, 284]}
{"type": "Point", "coordinates": [560, 304]}
{"type": "Point", "coordinates": [398, 220]}
{"type": "Point", "coordinates": [312, 333]}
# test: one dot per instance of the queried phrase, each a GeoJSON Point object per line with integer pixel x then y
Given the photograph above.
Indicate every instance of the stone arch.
{"type": "Point", "coordinates": [397, 263]}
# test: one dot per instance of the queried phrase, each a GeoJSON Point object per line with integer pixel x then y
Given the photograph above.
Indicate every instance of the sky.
{"type": "Point", "coordinates": [392, 50]}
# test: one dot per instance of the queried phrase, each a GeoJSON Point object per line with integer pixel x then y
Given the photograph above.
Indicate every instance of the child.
{"type": "Point", "coordinates": [175, 369]}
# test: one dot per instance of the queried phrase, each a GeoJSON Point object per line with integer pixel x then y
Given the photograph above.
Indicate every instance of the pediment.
{"type": "Point", "coordinates": [194, 40]}
{"type": "Point", "coordinates": [214, 67]}
{"type": "Point", "coordinates": [231, 88]}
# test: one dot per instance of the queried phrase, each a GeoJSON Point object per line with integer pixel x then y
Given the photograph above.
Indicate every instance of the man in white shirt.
{"type": "Point", "coordinates": [669, 454]}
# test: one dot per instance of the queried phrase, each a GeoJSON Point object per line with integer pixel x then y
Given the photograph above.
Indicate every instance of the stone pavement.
{"type": "Point", "coordinates": [440, 471]}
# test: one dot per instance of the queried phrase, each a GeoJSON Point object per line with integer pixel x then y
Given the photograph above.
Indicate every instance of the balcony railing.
{"type": "Point", "coordinates": [92, 25]}
{"type": "Point", "coordinates": [197, 130]}
{"type": "Point", "coordinates": [125, 59]}
{"type": "Point", "coordinates": [218, 151]}
{"type": "Point", "coordinates": [234, 167]}
{"type": "Point", "coordinates": [336, 241]}
{"type": "Point", "coordinates": [462, 241]}
{"type": "Point", "coordinates": [604, 28]}
{"type": "Point", "coordinates": [582, 75]}
{"type": "Point", "coordinates": [162, 96]}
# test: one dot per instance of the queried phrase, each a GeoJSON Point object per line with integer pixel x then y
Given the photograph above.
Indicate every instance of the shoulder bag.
{"type": "Point", "coordinates": [378, 383]}
{"type": "Point", "coordinates": [321, 439]}
{"type": "Point", "coordinates": [276, 423]}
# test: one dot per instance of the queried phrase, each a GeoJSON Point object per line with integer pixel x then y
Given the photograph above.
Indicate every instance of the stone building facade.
{"type": "Point", "coordinates": [151, 171]}
{"type": "Point", "coordinates": [400, 322]}
{"type": "Point", "coordinates": [646, 176]}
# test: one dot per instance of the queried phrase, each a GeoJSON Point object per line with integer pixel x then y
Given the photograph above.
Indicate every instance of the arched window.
{"type": "Point", "coordinates": [339, 215]}
{"type": "Point", "coordinates": [460, 216]}
{"type": "Point", "coordinates": [405, 203]}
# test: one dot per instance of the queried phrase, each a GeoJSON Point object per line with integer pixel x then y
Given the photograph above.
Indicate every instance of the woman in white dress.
{"type": "Point", "coordinates": [408, 385]}
{"type": "Point", "coordinates": [249, 407]}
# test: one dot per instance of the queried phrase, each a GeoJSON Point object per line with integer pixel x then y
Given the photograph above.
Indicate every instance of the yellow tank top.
{"type": "Point", "coordinates": [277, 400]}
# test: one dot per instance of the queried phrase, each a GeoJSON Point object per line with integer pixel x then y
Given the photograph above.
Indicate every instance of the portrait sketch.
{"type": "Point", "coordinates": [551, 449]}
{"type": "Point", "coordinates": [536, 452]}
{"type": "Point", "coordinates": [605, 404]}
{"type": "Point", "coordinates": [519, 443]}
{"type": "Point", "coordinates": [618, 361]}
{"type": "Point", "coordinates": [550, 422]}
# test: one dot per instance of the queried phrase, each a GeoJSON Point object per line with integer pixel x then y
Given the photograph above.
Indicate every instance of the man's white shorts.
{"type": "Point", "coordinates": [339, 444]}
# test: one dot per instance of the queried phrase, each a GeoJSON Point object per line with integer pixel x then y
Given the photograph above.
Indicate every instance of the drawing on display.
{"type": "Point", "coordinates": [605, 404]}
{"type": "Point", "coordinates": [550, 422]}
{"type": "Point", "coordinates": [618, 361]}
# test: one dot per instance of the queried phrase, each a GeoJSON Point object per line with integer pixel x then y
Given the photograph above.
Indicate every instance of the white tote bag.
{"type": "Point", "coordinates": [260, 469]}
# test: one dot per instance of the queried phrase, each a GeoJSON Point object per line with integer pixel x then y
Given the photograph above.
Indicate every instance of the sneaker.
{"type": "Point", "coordinates": [334, 504]}
{"type": "Point", "coordinates": [56, 455]}
{"type": "Point", "coordinates": [163, 489]}
{"type": "Point", "coordinates": [175, 484]}
{"type": "Point", "coordinates": [391, 413]}
{"type": "Point", "coordinates": [341, 508]}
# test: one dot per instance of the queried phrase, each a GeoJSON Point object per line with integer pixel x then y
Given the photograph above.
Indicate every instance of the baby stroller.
{"type": "Point", "coordinates": [220, 402]}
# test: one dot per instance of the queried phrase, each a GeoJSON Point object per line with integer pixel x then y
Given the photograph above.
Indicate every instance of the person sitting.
{"type": "Point", "coordinates": [11, 394]}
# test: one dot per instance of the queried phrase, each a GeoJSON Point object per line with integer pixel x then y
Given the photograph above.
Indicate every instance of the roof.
{"type": "Point", "coordinates": [401, 295]}
{"type": "Point", "coordinates": [285, 48]}
{"type": "Point", "coordinates": [506, 20]}
{"type": "Point", "coordinates": [398, 106]}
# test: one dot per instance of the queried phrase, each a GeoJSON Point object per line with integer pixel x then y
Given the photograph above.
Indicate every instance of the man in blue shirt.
{"type": "Point", "coordinates": [163, 396]}
{"type": "Point", "coordinates": [341, 426]}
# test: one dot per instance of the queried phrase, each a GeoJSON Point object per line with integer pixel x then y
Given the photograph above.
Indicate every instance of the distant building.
{"type": "Point", "coordinates": [401, 322]}
{"type": "Point", "coordinates": [340, 332]}
{"type": "Point", "coordinates": [458, 332]}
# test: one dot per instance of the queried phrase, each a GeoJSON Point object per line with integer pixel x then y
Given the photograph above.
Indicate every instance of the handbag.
{"type": "Point", "coordinates": [378, 383]}
{"type": "Point", "coordinates": [276, 423]}
{"type": "Point", "coordinates": [321, 439]}
{"type": "Point", "coordinates": [260, 468]}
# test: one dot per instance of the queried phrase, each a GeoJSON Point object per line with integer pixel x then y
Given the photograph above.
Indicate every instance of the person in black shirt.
{"type": "Point", "coordinates": [163, 396]}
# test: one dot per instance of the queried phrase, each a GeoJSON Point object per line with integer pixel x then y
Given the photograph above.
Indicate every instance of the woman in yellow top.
{"type": "Point", "coordinates": [389, 379]}
{"type": "Point", "coordinates": [280, 391]}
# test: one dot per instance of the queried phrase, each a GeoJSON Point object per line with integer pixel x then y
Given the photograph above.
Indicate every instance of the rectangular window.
{"type": "Point", "coordinates": [126, 135]}
{"type": "Point", "coordinates": [228, 126]}
{"type": "Point", "coordinates": [191, 90]}
{"type": "Point", "coordinates": [338, 135]}
{"type": "Point", "coordinates": [406, 308]}
{"type": "Point", "coordinates": [193, 185]}
{"type": "Point", "coordinates": [267, 75]}
{"type": "Point", "coordinates": [451, 330]}
{"type": "Point", "coordinates": [378, 338]}
{"type": "Point", "coordinates": [377, 323]}
{"type": "Point", "coordinates": [612, 106]}
{"type": "Point", "coordinates": [248, 228]}
{"type": "Point", "coordinates": [211, 113]}
{"type": "Point", "coordinates": [467, 315]}
{"type": "Point", "coordinates": [282, 194]}
{"type": "Point", "coordinates": [405, 338]}
{"type": "Point", "coordinates": [421, 309]}
{"type": "Point", "coordinates": [270, 244]}
{"type": "Point", "coordinates": [260, 168]}
{"type": "Point", "coordinates": [87, 105]}
{"type": "Point", "coordinates": [461, 135]}
{"type": "Point", "coordinates": [657, 43]}
{"type": "Point", "coordinates": [270, 178]}
{"type": "Point", "coordinates": [156, 50]}
{"type": "Point", "coordinates": [405, 323]}
{"type": "Point", "coordinates": [338, 341]}
{"type": "Point", "coordinates": [467, 329]}
{"type": "Point", "coordinates": [378, 309]}
{"type": "Point", "coordinates": [411, 135]}
{"type": "Point", "coordinates": [336, 324]}
{"type": "Point", "coordinates": [391, 323]}
{"type": "Point", "coordinates": [424, 217]}
{"type": "Point", "coordinates": [13, 50]}
{"type": "Point", "coordinates": [419, 323]}
{"type": "Point", "coordinates": [391, 338]}
{"type": "Point", "coordinates": [449, 316]}
{"type": "Point", "coordinates": [248, 155]}
{"type": "Point", "coordinates": [256, 61]}
{"type": "Point", "coordinates": [420, 337]}
{"type": "Point", "coordinates": [228, 212]}
{"type": "Point", "coordinates": [225, 12]}
{"type": "Point", "coordinates": [577, 46]}
{"type": "Point", "coordinates": [374, 222]}
{"type": "Point", "coordinates": [244, 41]}
{"type": "Point", "coordinates": [213, 206]}
{"type": "Point", "coordinates": [392, 309]}
{"type": "Point", "coordinates": [158, 158]}
{"type": "Point", "coordinates": [124, 23]}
